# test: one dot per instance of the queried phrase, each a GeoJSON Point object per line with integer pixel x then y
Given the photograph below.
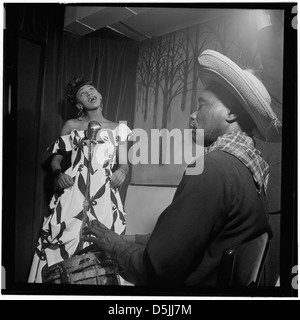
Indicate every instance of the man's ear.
{"type": "Point", "coordinates": [231, 117]}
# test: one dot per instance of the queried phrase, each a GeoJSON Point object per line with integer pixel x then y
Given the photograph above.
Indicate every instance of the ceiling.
{"type": "Point", "coordinates": [138, 23]}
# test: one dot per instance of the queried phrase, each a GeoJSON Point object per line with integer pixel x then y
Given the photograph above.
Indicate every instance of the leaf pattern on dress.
{"type": "Point", "coordinates": [100, 192]}
{"type": "Point", "coordinates": [53, 246]}
{"type": "Point", "coordinates": [63, 252]}
{"type": "Point", "coordinates": [123, 232]}
{"type": "Point", "coordinates": [115, 215]}
{"type": "Point", "coordinates": [78, 143]}
{"type": "Point", "coordinates": [62, 229]}
{"type": "Point", "coordinates": [93, 201]}
{"type": "Point", "coordinates": [58, 212]}
{"type": "Point", "coordinates": [79, 216]}
{"type": "Point", "coordinates": [48, 243]}
{"type": "Point", "coordinates": [106, 163]}
{"type": "Point", "coordinates": [62, 144]}
{"type": "Point", "coordinates": [122, 218]}
{"type": "Point", "coordinates": [116, 207]}
{"type": "Point", "coordinates": [55, 197]}
{"type": "Point", "coordinates": [40, 254]}
{"type": "Point", "coordinates": [77, 159]}
{"type": "Point", "coordinates": [39, 250]}
{"type": "Point", "coordinates": [93, 213]}
{"type": "Point", "coordinates": [113, 199]}
{"type": "Point", "coordinates": [44, 234]}
{"type": "Point", "coordinates": [81, 184]}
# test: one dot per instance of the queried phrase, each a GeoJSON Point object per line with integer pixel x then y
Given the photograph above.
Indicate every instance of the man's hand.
{"type": "Point", "coordinates": [106, 239]}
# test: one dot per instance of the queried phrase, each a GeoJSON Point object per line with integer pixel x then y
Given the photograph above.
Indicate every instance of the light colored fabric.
{"type": "Point", "coordinates": [61, 229]}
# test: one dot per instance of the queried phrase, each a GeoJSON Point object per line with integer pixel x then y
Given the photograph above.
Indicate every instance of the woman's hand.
{"type": "Point", "coordinates": [117, 178]}
{"type": "Point", "coordinates": [64, 180]}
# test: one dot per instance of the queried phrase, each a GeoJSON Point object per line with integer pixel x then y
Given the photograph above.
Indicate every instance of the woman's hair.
{"type": "Point", "coordinates": [73, 86]}
{"type": "Point", "coordinates": [231, 102]}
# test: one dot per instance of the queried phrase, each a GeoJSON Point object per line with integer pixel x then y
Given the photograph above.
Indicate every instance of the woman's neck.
{"type": "Point", "coordinates": [95, 115]}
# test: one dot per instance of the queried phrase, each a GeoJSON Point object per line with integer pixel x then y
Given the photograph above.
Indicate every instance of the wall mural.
{"type": "Point", "coordinates": [168, 85]}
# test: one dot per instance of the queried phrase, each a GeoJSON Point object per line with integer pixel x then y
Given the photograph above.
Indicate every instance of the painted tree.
{"type": "Point", "coordinates": [159, 55]}
{"type": "Point", "coordinates": [187, 64]}
{"type": "Point", "coordinates": [164, 65]}
{"type": "Point", "coordinates": [145, 77]}
{"type": "Point", "coordinates": [175, 69]}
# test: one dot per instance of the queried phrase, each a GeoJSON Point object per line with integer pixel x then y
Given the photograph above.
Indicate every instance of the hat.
{"type": "Point", "coordinates": [247, 88]}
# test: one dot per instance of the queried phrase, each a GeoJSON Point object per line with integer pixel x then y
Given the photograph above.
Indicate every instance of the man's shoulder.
{"type": "Point", "coordinates": [223, 161]}
{"type": "Point", "coordinates": [218, 170]}
{"type": "Point", "coordinates": [216, 163]}
{"type": "Point", "coordinates": [218, 156]}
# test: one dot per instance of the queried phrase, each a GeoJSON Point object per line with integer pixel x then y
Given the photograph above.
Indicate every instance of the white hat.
{"type": "Point", "coordinates": [249, 90]}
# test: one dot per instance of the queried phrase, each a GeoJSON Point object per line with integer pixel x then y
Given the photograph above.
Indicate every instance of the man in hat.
{"type": "Point", "coordinates": [222, 207]}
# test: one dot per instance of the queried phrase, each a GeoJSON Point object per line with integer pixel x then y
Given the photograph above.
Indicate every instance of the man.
{"type": "Point", "coordinates": [223, 206]}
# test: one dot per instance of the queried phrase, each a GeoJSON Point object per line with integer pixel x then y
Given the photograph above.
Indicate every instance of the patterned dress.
{"type": "Point", "coordinates": [60, 232]}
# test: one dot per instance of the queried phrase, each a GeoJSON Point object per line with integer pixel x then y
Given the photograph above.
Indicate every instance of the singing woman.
{"type": "Point", "coordinates": [60, 235]}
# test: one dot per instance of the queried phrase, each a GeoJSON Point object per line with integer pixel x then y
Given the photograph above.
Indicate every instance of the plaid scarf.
{"type": "Point", "coordinates": [240, 145]}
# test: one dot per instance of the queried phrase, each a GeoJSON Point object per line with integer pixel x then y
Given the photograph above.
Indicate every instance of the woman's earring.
{"type": "Point", "coordinates": [80, 114]}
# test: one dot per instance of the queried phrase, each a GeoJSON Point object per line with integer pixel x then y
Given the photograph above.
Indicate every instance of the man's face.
{"type": "Point", "coordinates": [210, 116]}
{"type": "Point", "coordinates": [89, 97]}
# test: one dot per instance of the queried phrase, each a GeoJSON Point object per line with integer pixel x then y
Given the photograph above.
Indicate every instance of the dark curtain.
{"type": "Point", "coordinates": [33, 38]}
{"type": "Point", "coordinates": [39, 60]}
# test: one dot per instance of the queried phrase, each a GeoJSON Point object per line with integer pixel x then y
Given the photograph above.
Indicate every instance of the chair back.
{"type": "Point", "coordinates": [242, 265]}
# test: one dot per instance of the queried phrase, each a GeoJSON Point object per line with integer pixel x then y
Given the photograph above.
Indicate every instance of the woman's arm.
{"type": "Point", "coordinates": [56, 163]}
{"type": "Point", "coordinates": [119, 175]}
{"type": "Point", "coordinates": [64, 180]}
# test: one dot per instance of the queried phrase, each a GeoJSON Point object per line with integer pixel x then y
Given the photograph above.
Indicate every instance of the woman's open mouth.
{"type": "Point", "coordinates": [92, 99]}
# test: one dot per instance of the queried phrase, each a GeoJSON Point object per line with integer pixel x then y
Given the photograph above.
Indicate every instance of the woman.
{"type": "Point", "coordinates": [76, 204]}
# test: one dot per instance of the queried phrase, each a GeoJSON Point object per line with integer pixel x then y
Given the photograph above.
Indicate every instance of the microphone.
{"type": "Point", "coordinates": [92, 130]}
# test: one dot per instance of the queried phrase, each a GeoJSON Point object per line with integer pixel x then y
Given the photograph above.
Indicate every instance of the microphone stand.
{"type": "Point", "coordinates": [91, 134]}
{"type": "Point", "coordinates": [85, 220]}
